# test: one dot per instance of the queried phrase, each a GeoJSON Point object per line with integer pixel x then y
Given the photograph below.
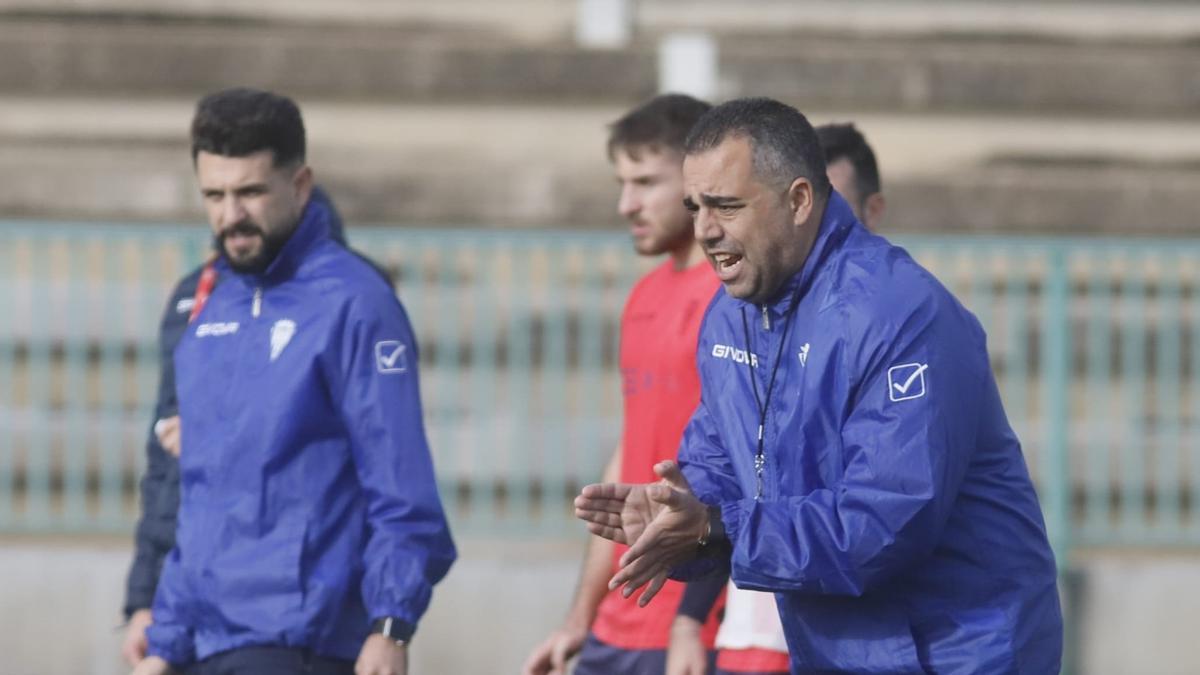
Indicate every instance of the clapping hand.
{"type": "Point", "coordinates": [662, 523]}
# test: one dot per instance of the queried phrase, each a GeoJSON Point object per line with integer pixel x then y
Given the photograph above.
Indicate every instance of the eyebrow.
{"type": "Point", "coordinates": [239, 189]}
{"type": "Point", "coordinates": [714, 201]}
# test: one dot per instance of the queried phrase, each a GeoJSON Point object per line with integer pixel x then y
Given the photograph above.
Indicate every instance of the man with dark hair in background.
{"type": "Point", "coordinates": [660, 390]}
{"type": "Point", "coordinates": [751, 639]}
{"type": "Point", "coordinates": [850, 452]}
{"type": "Point", "coordinates": [159, 487]}
{"type": "Point", "coordinates": [850, 165]}
{"type": "Point", "coordinates": [310, 532]}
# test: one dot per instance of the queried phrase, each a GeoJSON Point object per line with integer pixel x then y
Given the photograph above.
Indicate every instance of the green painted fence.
{"type": "Point", "coordinates": [1094, 342]}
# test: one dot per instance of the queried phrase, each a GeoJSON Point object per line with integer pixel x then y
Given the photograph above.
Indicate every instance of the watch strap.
{"type": "Point", "coordinates": [397, 630]}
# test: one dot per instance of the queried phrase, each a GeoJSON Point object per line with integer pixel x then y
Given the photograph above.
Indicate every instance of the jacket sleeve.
{"type": "Point", "coordinates": [709, 473]}
{"type": "Point", "coordinates": [907, 439]}
{"type": "Point", "coordinates": [159, 487]}
{"type": "Point", "coordinates": [374, 380]}
{"type": "Point", "coordinates": [170, 637]}
{"type": "Point", "coordinates": [155, 535]}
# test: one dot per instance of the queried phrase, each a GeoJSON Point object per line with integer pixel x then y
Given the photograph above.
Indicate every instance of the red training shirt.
{"type": "Point", "coordinates": [660, 328]}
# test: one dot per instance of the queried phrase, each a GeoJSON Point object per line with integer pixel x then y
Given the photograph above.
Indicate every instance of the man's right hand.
{"type": "Point", "coordinates": [550, 657]}
{"type": "Point", "coordinates": [169, 435]}
{"type": "Point", "coordinates": [619, 512]}
{"type": "Point", "coordinates": [153, 665]}
{"type": "Point", "coordinates": [133, 648]}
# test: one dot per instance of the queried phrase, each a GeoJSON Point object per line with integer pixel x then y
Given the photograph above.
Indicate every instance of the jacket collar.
{"type": "Point", "coordinates": [836, 223]}
{"type": "Point", "coordinates": [313, 228]}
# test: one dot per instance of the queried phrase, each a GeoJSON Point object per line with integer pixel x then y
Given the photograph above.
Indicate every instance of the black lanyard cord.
{"type": "Point", "coordinates": [760, 459]}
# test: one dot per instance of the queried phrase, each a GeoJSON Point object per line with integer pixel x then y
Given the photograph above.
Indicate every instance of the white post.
{"type": "Point", "coordinates": [603, 24]}
{"type": "Point", "coordinates": [687, 64]}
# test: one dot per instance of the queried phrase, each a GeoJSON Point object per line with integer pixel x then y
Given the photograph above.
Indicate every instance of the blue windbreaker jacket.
{"type": "Point", "coordinates": [159, 487]}
{"type": "Point", "coordinates": [898, 525]}
{"type": "Point", "coordinates": [309, 504]}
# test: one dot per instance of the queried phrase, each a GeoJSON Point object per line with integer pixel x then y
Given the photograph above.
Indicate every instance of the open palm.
{"type": "Point", "coordinates": [617, 511]}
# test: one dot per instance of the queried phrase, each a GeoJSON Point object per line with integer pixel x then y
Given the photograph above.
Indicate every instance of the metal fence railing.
{"type": "Point", "coordinates": [1094, 342]}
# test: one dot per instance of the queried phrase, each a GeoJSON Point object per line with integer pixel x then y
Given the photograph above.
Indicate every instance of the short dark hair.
{"type": "Point", "coordinates": [662, 123]}
{"type": "Point", "coordinates": [783, 143]}
{"type": "Point", "coordinates": [240, 121]}
{"type": "Point", "coordinates": [845, 141]}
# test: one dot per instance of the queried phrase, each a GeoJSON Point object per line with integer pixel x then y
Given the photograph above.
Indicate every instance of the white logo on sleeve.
{"type": "Point", "coordinates": [281, 335]}
{"type": "Point", "coordinates": [390, 356]}
{"type": "Point", "coordinates": [803, 354]}
{"type": "Point", "coordinates": [907, 381]}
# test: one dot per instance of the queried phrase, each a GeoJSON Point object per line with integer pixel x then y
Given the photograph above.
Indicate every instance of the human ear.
{"type": "Point", "coordinates": [302, 183]}
{"type": "Point", "coordinates": [800, 200]}
{"type": "Point", "coordinates": [873, 210]}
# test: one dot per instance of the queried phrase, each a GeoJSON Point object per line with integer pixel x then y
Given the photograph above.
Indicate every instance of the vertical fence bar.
{"type": "Point", "coordinates": [1016, 320]}
{"type": "Point", "coordinates": [1133, 380]}
{"type": "Point", "coordinates": [1167, 399]}
{"type": "Point", "coordinates": [448, 319]}
{"type": "Point", "coordinates": [979, 292]}
{"type": "Point", "coordinates": [109, 455]}
{"type": "Point", "coordinates": [484, 465]}
{"type": "Point", "coordinates": [37, 447]}
{"type": "Point", "coordinates": [74, 467]}
{"type": "Point", "coordinates": [594, 454]}
{"type": "Point", "coordinates": [1056, 359]}
{"type": "Point", "coordinates": [1098, 423]}
{"type": "Point", "coordinates": [1193, 477]}
{"type": "Point", "coordinates": [554, 410]}
{"type": "Point", "coordinates": [520, 348]}
{"type": "Point", "coordinates": [9, 287]}
{"type": "Point", "coordinates": [185, 253]}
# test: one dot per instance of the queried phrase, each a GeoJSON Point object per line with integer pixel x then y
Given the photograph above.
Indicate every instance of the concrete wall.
{"type": "Point", "coordinates": [59, 602]}
{"type": "Point", "coordinates": [60, 607]}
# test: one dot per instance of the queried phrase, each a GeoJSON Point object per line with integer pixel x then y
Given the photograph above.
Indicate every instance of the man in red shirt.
{"type": "Point", "coordinates": [660, 388]}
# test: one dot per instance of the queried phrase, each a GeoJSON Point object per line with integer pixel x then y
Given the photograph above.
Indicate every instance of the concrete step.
{"type": "Point", "coordinates": [408, 62]}
{"type": "Point", "coordinates": [543, 166]}
{"type": "Point", "coordinates": [939, 74]}
{"type": "Point", "coordinates": [1151, 20]}
{"type": "Point", "coordinates": [529, 20]}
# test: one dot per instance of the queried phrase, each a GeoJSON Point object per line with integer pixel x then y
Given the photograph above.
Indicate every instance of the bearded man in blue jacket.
{"type": "Point", "coordinates": [310, 531]}
{"type": "Point", "coordinates": [850, 452]}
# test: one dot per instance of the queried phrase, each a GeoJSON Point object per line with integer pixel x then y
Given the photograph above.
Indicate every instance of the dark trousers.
{"type": "Point", "coordinates": [598, 658]}
{"type": "Point", "coordinates": [270, 661]}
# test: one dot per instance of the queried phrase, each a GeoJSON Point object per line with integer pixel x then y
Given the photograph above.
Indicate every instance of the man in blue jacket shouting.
{"type": "Point", "coordinates": [310, 532]}
{"type": "Point", "coordinates": [850, 452]}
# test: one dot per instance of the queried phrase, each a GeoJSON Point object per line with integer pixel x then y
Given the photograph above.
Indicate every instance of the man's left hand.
{"type": "Point", "coordinates": [381, 656]}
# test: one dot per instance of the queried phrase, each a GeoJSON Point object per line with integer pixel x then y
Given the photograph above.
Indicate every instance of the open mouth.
{"type": "Point", "coordinates": [724, 260]}
{"type": "Point", "coordinates": [726, 265]}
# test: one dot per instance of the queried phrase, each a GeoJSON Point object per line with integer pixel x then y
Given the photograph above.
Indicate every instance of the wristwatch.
{"type": "Point", "coordinates": [396, 630]}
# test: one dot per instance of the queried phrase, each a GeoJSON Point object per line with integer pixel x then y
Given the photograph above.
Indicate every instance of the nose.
{"type": "Point", "coordinates": [629, 203]}
{"type": "Point", "coordinates": [232, 211]}
{"type": "Point", "coordinates": [705, 227]}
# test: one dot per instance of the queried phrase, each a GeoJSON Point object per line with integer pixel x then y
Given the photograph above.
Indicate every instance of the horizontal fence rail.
{"type": "Point", "coordinates": [1094, 343]}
